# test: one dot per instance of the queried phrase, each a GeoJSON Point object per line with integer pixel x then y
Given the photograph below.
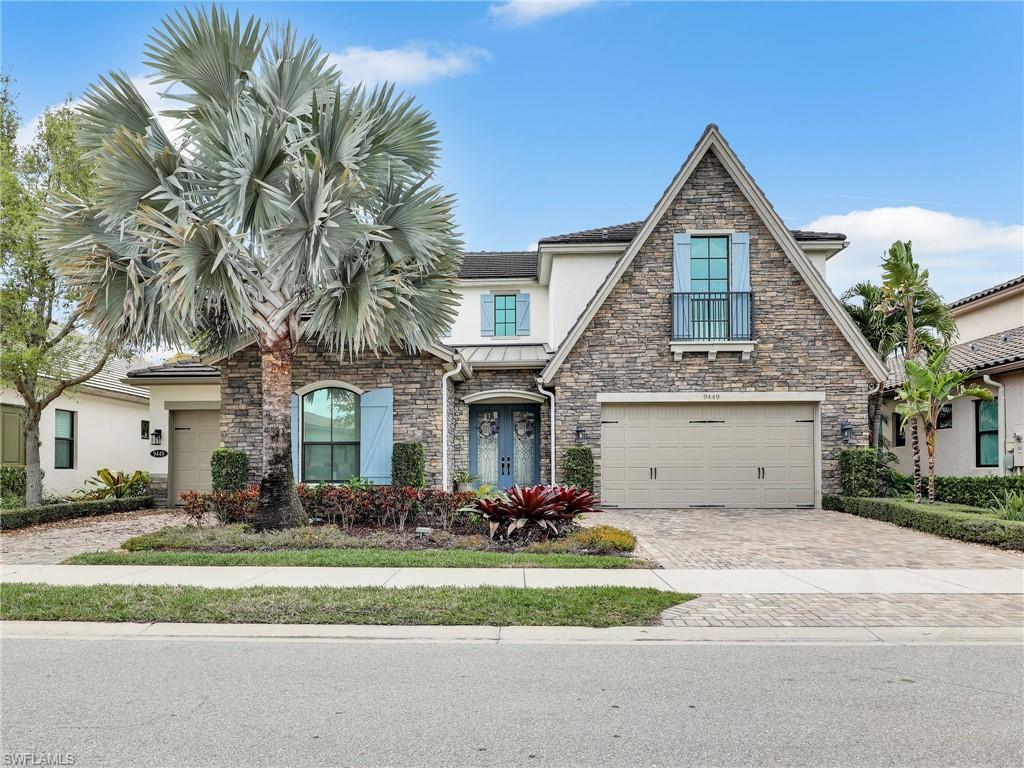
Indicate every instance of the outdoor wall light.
{"type": "Point", "coordinates": [581, 434]}
{"type": "Point", "coordinates": [155, 437]}
{"type": "Point", "coordinates": [845, 431]}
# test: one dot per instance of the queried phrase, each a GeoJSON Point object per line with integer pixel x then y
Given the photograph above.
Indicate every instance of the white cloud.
{"type": "Point", "coordinates": [411, 65]}
{"type": "Point", "coordinates": [520, 13]}
{"type": "Point", "coordinates": [962, 254]}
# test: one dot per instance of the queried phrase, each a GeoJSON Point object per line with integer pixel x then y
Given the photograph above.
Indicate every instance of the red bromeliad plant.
{"type": "Point", "coordinates": [540, 509]}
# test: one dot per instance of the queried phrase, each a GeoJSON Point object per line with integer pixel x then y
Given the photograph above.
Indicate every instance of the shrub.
{"type": "Point", "coordinates": [976, 491]}
{"type": "Point", "coordinates": [229, 469]}
{"type": "Point", "coordinates": [19, 517]}
{"type": "Point", "coordinates": [858, 472]}
{"type": "Point", "coordinates": [12, 482]}
{"type": "Point", "coordinates": [408, 465]}
{"type": "Point", "coordinates": [194, 504]}
{"type": "Point", "coordinates": [833, 503]}
{"type": "Point", "coordinates": [579, 467]}
{"type": "Point", "coordinates": [1010, 506]}
{"type": "Point", "coordinates": [538, 510]}
{"type": "Point", "coordinates": [117, 485]}
{"type": "Point", "coordinates": [235, 506]}
{"type": "Point", "coordinates": [443, 508]}
{"type": "Point", "coordinates": [952, 521]}
{"type": "Point", "coordinates": [604, 539]}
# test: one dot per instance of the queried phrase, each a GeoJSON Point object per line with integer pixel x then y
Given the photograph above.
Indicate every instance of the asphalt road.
{"type": "Point", "coordinates": [271, 703]}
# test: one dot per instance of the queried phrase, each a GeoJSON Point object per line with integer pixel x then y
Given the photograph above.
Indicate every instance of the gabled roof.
{"type": "Point", "coordinates": [623, 233]}
{"type": "Point", "coordinates": [712, 141]}
{"type": "Point", "coordinates": [995, 351]}
{"type": "Point", "coordinates": [189, 368]}
{"type": "Point", "coordinates": [1013, 282]}
{"type": "Point", "coordinates": [109, 379]}
{"type": "Point", "coordinates": [482, 265]}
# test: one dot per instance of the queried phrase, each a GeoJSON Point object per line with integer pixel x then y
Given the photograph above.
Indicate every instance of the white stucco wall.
{"type": "Point", "coordinates": [166, 397]}
{"type": "Point", "coordinates": [466, 329]}
{"type": "Point", "coordinates": [984, 319]}
{"type": "Point", "coordinates": [107, 434]}
{"type": "Point", "coordinates": [955, 449]}
{"type": "Point", "coordinates": [574, 281]}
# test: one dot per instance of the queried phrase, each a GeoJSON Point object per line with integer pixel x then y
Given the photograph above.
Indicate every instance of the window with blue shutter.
{"type": "Point", "coordinates": [505, 314]}
{"type": "Point", "coordinates": [486, 314]}
{"type": "Point", "coordinates": [376, 436]}
{"type": "Point", "coordinates": [739, 298]}
{"type": "Point", "coordinates": [295, 437]}
{"type": "Point", "coordinates": [522, 314]}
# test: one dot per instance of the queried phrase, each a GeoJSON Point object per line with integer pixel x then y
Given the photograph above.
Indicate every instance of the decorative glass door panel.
{"type": "Point", "coordinates": [504, 444]}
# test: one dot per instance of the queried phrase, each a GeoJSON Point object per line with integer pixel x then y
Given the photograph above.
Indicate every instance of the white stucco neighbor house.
{"type": "Point", "coordinates": [698, 353]}
{"type": "Point", "coordinates": [102, 423]}
{"type": "Point", "coordinates": [977, 437]}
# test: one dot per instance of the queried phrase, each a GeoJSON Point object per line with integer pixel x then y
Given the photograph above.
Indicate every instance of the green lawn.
{"type": "Point", "coordinates": [360, 558]}
{"type": "Point", "coordinates": [500, 606]}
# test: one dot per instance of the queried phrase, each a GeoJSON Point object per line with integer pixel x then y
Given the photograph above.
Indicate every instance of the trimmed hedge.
{"type": "Point", "coordinates": [832, 503]}
{"type": "Point", "coordinates": [858, 471]}
{"type": "Point", "coordinates": [579, 466]}
{"type": "Point", "coordinates": [953, 521]}
{"type": "Point", "coordinates": [976, 491]}
{"type": "Point", "coordinates": [48, 513]}
{"type": "Point", "coordinates": [229, 469]}
{"type": "Point", "coordinates": [409, 465]}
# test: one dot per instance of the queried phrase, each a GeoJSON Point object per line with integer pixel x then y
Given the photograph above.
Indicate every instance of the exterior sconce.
{"type": "Point", "coordinates": [845, 431]}
{"type": "Point", "coordinates": [155, 437]}
{"type": "Point", "coordinates": [581, 434]}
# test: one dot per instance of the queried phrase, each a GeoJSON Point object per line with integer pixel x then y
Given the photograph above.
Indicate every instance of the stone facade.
{"type": "Point", "coordinates": [799, 348]}
{"type": "Point", "coordinates": [416, 381]}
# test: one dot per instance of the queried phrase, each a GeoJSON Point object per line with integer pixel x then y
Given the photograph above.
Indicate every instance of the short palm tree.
{"type": "Point", "coordinates": [928, 321]}
{"type": "Point", "coordinates": [928, 387]}
{"type": "Point", "coordinates": [292, 208]}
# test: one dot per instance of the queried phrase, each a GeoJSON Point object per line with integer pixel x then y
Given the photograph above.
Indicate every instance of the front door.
{"type": "Point", "coordinates": [504, 444]}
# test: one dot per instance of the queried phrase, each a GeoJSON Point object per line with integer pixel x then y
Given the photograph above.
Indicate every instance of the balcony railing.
{"type": "Point", "coordinates": [712, 316]}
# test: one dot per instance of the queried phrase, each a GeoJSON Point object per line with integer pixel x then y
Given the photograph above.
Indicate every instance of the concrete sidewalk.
{"type": "Point", "coordinates": [702, 581]}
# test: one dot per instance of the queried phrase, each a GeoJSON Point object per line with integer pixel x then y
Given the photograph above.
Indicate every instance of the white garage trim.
{"type": "Point", "coordinates": [710, 397]}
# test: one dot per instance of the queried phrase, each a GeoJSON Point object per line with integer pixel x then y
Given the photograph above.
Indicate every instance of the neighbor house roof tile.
{"type": "Point", "coordinates": [980, 355]}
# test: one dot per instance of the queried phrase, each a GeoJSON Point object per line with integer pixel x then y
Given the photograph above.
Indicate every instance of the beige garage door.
{"type": "Point", "coordinates": [194, 435]}
{"type": "Point", "coordinates": [716, 454]}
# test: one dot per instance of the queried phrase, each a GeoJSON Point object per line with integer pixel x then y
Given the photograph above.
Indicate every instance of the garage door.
{"type": "Point", "coordinates": [194, 436]}
{"type": "Point", "coordinates": [721, 454]}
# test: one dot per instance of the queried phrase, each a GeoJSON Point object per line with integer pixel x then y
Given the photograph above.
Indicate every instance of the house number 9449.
{"type": "Point", "coordinates": [712, 396]}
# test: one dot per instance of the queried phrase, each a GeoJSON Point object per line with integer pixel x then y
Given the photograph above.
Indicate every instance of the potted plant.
{"type": "Point", "coordinates": [464, 481]}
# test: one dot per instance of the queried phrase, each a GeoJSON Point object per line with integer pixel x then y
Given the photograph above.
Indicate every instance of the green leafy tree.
{"type": "Point", "coordinates": [290, 208]}
{"type": "Point", "coordinates": [42, 347]}
{"type": "Point", "coordinates": [929, 323]}
{"type": "Point", "coordinates": [928, 387]}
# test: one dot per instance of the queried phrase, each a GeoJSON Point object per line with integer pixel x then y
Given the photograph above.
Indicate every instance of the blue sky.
{"type": "Point", "coordinates": [880, 120]}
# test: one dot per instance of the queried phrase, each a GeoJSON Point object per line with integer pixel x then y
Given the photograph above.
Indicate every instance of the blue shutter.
{"type": "Point", "coordinates": [376, 438]}
{"type": "Point", "coordinates": [740, 285]}
{"type": "Point", "coordinates": [486, 314]}
{"type": "Point", "coordinates": [296, 445]}
{"type": "Point", "coordinates": [682, 317]}
{"type": "Point", "coordinates": [522, 314]}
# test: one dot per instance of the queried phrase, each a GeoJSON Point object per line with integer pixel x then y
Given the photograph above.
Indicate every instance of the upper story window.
{"type": "Point", "coordinates": [709, 264]}
{"type": "Point", "coordinates": [330, 435]}
{"type": "Point", "coordinates": [505, 314]}
{"type": "Point", "coordinates": [64, 440]}
{"type": "Point", "coordinates": [986, 433]}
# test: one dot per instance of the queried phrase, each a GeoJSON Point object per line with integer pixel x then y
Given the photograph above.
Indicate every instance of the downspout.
{"type": "Point", "coordinates": [444, 420]}
{"type": "Point", "coordinates": [551, 415]}
{"type": "Point", "coordinates": [877, 418]}
{"type": "Point", "coordinates": [1001, 416]}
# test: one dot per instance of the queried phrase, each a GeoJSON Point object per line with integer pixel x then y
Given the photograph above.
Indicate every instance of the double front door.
{"type": "Point", "coordinates": [504, 444]}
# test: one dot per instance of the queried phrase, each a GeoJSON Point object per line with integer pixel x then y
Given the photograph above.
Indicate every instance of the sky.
{"type": "Point", "coordinates": [880, 120]}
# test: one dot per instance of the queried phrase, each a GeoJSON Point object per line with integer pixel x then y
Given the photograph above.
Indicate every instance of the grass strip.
{"type": "Point", "coordinates": [360, 558]}
{"type": "Point", "coordinates": [496, 606]}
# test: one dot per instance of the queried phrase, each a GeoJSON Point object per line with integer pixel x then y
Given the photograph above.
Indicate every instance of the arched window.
{"type": "Point", "coordinates": [330, 435]}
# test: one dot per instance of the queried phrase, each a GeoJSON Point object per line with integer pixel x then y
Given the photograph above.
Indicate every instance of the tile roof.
{"type": "Point", "coordinates": [189, 368]}
{"type": "Point", "coordinates": [988, 292]}
{"type": "Point", "coordinates": [505, 355]}
{"type": "Point", "coordinates": [979, 355]}
{"type": "Point", "coordinates": [109, 377]}
{"type": "Point", "coordinates": [623, 233]}
{"type": "Point", "coordinates": [481, 265]}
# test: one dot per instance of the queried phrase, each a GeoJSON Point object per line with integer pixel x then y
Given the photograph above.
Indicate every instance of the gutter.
{"type": "Point", "coordinates": [551, 397]}
{"type": "Point", "coordinates": [1001, 416]}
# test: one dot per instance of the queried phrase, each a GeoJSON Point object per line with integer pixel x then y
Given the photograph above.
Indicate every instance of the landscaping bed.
{"type": "Point", "coordinates": [494, 606]}
{"type": "Point", "coordinates": [19, 517]}
{"type": "Point", "coordinates": [237, 544]}
{"type": "Point", "coordinates": [952, 521]}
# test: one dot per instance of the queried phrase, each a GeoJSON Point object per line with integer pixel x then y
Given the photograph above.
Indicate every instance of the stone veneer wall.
{"type": "Point", "coordinates": [415, 379]}
{"type": "Point", "coordinates": [158, 489]}
{"type": "Point", "coordinates": [626, 346]}
{"type": "Point", "coordinates": [458, 435]}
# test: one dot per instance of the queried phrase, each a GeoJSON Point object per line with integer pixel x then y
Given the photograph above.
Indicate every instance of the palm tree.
{"type": "Point", "coordinates": [929, 323]}
{"type": "Point", "coordinates": [292, 208]}
{"type": "Point", "coordinates": [928, 387]}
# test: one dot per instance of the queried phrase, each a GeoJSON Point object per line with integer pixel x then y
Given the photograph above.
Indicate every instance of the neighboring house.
{"type": "Point", "coordinates": [699, 353]}
{"type": "Point", "coordinates": [102, 423]}
{"type": "Point", "coordinates": [977, 437]}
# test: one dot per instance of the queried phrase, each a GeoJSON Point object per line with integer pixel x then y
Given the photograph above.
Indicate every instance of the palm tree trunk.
{"type": "Point", "coordinates": [33, 467]}
{"type": "Point", "coordinates": [915, 443]}
{"type": "Point", "coordinates": [279, 505]}
{"type": "Point", "coordinates": [930, 443]}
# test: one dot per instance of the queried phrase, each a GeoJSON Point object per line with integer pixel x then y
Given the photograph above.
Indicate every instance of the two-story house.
{"type": "Point", "coordinates": [699, 353]}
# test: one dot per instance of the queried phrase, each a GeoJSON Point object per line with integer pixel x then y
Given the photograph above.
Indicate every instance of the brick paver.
{"type": "Point", "coordinates": [793, 538]}
{"type": "Point", "coordinates": [54, 542]}
{"type": "Point", "coordinates": [848, 611]}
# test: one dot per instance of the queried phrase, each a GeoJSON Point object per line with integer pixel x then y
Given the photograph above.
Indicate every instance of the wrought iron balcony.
{"type": "Point", "coordinates": [714, 316]}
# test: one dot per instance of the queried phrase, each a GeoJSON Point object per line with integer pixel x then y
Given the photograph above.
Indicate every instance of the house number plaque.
{"type": "Point", "coordinates": [159, 453]}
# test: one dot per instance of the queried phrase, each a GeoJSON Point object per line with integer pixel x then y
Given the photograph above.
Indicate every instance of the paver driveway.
{"type": "Point", "coordinates": [793, 538]}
